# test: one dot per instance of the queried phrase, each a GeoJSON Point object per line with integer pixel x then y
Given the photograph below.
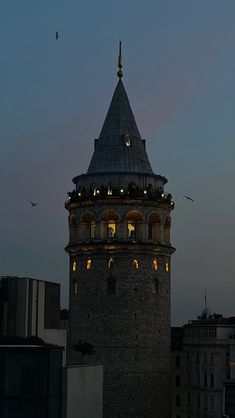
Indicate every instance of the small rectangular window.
{"type": "Point", "coordinates": [189, 399]}
{"type": "Point", "coordinates": [178, 401]}
{"type": "Point", "coordinates": [177, 360]}
{"type": "Point", "coordinates": [177, 380]}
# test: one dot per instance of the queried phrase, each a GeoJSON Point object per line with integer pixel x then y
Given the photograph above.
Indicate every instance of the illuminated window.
{"type": "Point", "coordinates": [111, 263]}
{"type": "Point", "coordinates": [74, 266]}
{"type": "Point", "coordinates": [111, 229]}
{"type": "Point", "coordinates": [96, 191]}
{"type": "Point", "coordinates": [135, 264]}
{"type": "Point", "coordinates": [167, 266]}
{"type": "Point", "coordinates": [92, 229]}
{"type": "Point", "coordinates": [75, 288]}
{"type": "Point", "coordinates": [131, 229]}
{"type": "Point", "coordinates": [89, 264]}
{"type": "Point", "coordinates": [155, 265]}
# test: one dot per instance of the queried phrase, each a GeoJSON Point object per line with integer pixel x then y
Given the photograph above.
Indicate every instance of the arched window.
{"type": "Point", "coordinates": [89, 264]}
{"type": "Point", "coordinates": [131, 229]}
{"type": "Point", "coordinates": [111, 229]}
{"type": "Point", "coordinates": [111, 263]}
{"type": "Point", "coordinates": [75, 287]}
{"type": "Point", "coordinates": [154, 226]}
{"type": "Point", "coordinates": [132, 189]}
{"type": "Point", "coordinates": [155, 264]}
{"type": "Point", "coordinates": [167, 266]}
{"type": "Point", "coordinates": [92, 229]}
{"type": "Point", "coordinates": [74, 267]}
{"type": "Point", "coordinates": [109, 220]}
{"type": "Point", "coordinates": [135, 264]}
{"type": "Point", "coordinates": [88, 226]}
{"type": "Point", "coordinates": [167, 228]}
{"type": "Point", "coordinates": [111, 285]}
{"type": "Point", "coordinates": [73, 221]}
{"type": "Point", "coordinates": [134, 221]}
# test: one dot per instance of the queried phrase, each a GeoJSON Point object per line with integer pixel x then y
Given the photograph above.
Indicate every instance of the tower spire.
{"type": "Point", "coordinates": [120, 61]}
{"type": "Point", "coordinates": [205, 300]}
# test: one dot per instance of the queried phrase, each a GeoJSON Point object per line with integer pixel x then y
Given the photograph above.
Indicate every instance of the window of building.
{"type": "Point", "coordinates": [205, 358]}
{"type": "Point", "coordinates": [206, 403]}
{"type": "Point", "coordinates": [135, 264]}
{"type": "Point", "coordinates": [212, 404]}
{"type": "Point", "coordinates": [73, 221]}
{"type": "Point", "coordinates": [189, 377]}
{"type": "Point", "coordinates": [131, 229]}
{"type": "Point", "coordinates": [212, 382]}
{"type": "Point", "coordinates": [167, 266]}
{"type": "Point", "coordinates": [74, 268]}
{"type": "Point", "coordinates": [89, 264]}
{"type": "Point", "coordinates": [111, 285]}
{"type": "Point", "coordinates": [178, 416]}
{"type": "Point", "coordinates": [212, 359]}
{"type": "Point", "coordinates": [205, 379]}
{"type": "Point", "coordinates": [150, 231]}
{"type": "Point", "coordinates": [197, 357]}
{"type": "Point", "coordinates": [178, 401]}
{"type": "Point", "coordinates": [177, 380]}
{"type": "Point", "coordinates": [111, 263]}
{"type": "Point", "coordinates": [92, 230]}
{"type": "Point", "coordinates": [188, 399]}
{"type": "Point", "coordinates": [75, 287]}
{"type": "Point", "coordinates": [177, 360]}
{"type": "Point", "coordinates": [198, 378]}
{"type": "Point", "coordinates": [198, 401]}
{"type": "Point", "coordinates": [111, 229]}
{"type": "Point", "coordinates": [155, 264]}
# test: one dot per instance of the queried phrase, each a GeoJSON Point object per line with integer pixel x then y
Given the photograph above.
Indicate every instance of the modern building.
{"type": "Point", "coordinates": [120, 267]}
{"type": "Point", "coordinates": [205, 383]}
{"type": "Point", "coordinates": [30, 307]}
{"type": "Point", "coordinates": [30, 378]}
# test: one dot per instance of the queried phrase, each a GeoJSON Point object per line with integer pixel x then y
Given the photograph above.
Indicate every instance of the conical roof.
{"type": "Point", "coordinates": [119, 147]}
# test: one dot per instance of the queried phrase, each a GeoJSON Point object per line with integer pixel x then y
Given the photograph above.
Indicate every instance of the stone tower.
{"type": "Point", "coordinates": [120, 267]}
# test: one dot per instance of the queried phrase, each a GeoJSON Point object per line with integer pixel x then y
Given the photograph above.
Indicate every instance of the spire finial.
{"type": "Point", "coordinates": [120, 62]}
{"type": "Point", "coordinates": [205, 300]}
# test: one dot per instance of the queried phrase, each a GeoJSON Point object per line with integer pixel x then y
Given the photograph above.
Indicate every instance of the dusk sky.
{"type": "Point", "coordinates": [179, 73]}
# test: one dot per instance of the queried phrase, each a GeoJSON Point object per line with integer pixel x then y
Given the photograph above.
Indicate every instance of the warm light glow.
{"type": "Point", "coordinates": [111, 263]}
{"type": "Point", "coordinates": [135, 264]}
{"type": "Point", "coordinates": [145, 191]}
{"type": "Point", "coordinates": [89, 264]}
{"type": "Point", "coordinates": [74, 266]}
{"type": "Point", "coordinates": [163, 195]}
{"type": "Point", "coordinates": [155, 265]}
{"type": "Point", "coordinates": [111, 231]}
{"type": "Point", "coordinates": [110, 192]}
{"type": "Point", "coordinates": [121, 190]}
{"type": "Point", "coordinates": [131, 229]}
{"type": "Point", "coordinates": [167, 267]}
{"type": "Point", "coordinates": [79, 194]}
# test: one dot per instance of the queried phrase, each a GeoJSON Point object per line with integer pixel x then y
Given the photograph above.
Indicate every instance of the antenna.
{"type": "Point", "coordinates": [205, 300]}
{"type": "Point", "coordinates": [120, 61]}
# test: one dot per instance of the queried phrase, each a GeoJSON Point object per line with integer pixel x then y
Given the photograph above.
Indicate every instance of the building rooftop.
{"type": "Point", "coordinates": [119, 147]}
{"type": "Point", "coordinates": [24, 342]}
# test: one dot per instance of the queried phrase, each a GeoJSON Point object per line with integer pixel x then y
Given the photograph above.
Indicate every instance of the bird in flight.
{"type": "Point", "coordinates": [189, 198]}
{"type": "Point", "coordinates": [57, 35]}
{"type": "Point", "coordinates": [33, 204]}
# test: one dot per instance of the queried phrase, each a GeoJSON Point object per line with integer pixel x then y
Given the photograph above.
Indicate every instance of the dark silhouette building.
{"type": "Point", "coordinates": [120, 268]}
